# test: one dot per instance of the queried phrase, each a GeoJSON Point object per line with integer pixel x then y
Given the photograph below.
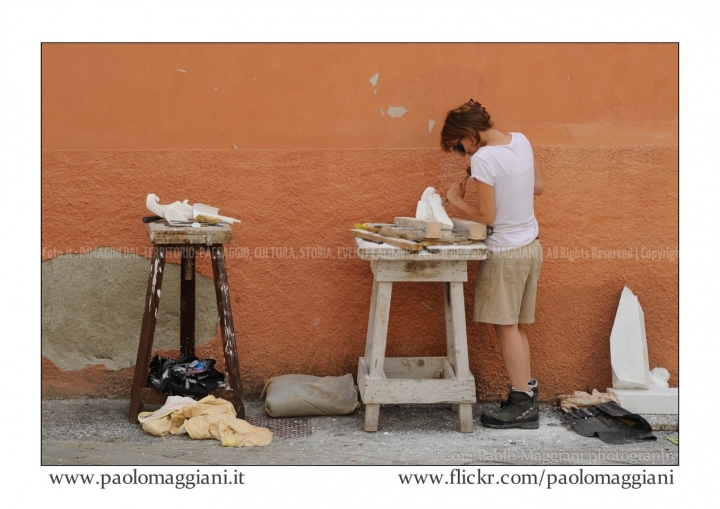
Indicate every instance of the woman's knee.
{"type": "Point", "coordinates": [505, 330]}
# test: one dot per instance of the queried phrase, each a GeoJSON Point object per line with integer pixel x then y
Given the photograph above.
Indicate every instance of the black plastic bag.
{"type": "Point", "coordinates": [188, 376]}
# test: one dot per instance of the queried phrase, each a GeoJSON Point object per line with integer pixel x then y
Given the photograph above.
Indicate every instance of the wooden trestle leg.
{"type": "Point", "coordinates": [147, 332]}
{"type": "Point", "coordinates": [227, 328]}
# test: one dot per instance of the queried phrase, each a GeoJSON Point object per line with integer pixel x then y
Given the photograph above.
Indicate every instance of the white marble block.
{"type": "Point", "coordinates": [628, 345]}
{"type": "Point", "coordinates": [657, 400]}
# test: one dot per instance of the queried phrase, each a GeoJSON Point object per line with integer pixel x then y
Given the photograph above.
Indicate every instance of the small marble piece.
{"type": "Point", "coordinates": [176, 211]}
{"type": "Point", "coordinates": [660, 377]}
{"type": "Point", "coordinates": [183, 212]}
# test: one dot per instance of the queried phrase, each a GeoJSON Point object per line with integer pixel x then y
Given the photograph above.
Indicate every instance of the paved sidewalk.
{"type": "Point", "coordinates": [97, 432]}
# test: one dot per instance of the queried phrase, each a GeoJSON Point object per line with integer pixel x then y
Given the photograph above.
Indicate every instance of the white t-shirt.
{"type": "Point", "coordinates": [511, 170]}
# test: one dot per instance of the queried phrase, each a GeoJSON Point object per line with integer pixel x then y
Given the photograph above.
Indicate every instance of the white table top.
{"type": "Point", "coordinates": [371, 251]}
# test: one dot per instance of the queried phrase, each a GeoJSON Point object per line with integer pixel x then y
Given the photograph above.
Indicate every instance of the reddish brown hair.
{"type": "Point", "coordinates": [466, 121]}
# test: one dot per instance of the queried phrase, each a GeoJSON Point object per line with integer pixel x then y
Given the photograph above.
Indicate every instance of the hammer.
{"type": "Point", "coordinates": [463, 180]}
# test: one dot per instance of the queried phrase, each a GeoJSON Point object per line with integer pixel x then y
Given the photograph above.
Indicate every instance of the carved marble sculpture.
{"type": "Point", "coordinates": [430, 208]}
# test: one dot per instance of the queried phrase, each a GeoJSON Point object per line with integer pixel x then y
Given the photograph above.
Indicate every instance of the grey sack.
{"type": "Point", "coordinates": [304, 395]}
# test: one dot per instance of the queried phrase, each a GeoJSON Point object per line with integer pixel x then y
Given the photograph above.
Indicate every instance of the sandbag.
{"type": "Point", "coordinates": [305, 395]}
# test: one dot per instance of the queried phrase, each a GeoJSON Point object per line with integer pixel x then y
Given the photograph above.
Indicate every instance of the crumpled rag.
{"type": "Point", "coordinates": [581, 399]}
{"type": "Point", "coordinates": [210, 417]}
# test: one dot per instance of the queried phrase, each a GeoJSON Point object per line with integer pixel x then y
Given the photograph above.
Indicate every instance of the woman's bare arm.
{"type": "Point", "coordinates": [539, 184]}
{"type": "Point", "coordinates": [484, 211]}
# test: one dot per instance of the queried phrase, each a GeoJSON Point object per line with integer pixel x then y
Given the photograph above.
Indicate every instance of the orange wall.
{"type": "Point", "coordinates": [278, 96]}
{"type": "Point", "coordinates": [291, 139]}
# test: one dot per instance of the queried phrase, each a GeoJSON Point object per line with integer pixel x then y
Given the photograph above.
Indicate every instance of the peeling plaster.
{"type": "Point", "coordinates": [397, 111]}
{"type": "Point", "coordinates": [381, 111]}
{"type": "Point", "coordinates": [181, 70]}
{"type": "Point", "coordinates": [374, 79]}
{"type": "Point", "coordinates": [234, 146]}
{"type": "Point", "coordinates": [375, 92]}
{"type": "Point", "coordinates": [92, 308]}
{"type": "Point", "coordinates": [431, 124]}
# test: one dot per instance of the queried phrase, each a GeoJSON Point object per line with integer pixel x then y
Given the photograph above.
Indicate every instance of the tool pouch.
{"type": "Point", "coordinates": [188, 376]}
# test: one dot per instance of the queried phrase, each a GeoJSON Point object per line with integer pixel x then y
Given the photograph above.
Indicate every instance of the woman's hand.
{"type": "Point", "coordinates": [456, 192]}
{"type": "Point", "coordinates": [484, 211]}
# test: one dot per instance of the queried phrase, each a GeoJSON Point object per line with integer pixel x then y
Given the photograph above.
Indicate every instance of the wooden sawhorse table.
{"type": "Point", "coordinates": [417, 380]}
{"type": "Point", "coordinates": [188, 241]}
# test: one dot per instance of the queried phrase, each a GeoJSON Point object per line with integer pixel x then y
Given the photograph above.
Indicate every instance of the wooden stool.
{"type": "Point", "coordinates": [423, 380]}
{"type": "Point", "coordinates": [188, 240]}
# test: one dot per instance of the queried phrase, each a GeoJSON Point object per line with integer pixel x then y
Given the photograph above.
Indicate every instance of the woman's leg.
{"type": "Point", "coordinates": [519, 410]}
{"type": "Point", "coordinates": [527, 350]}
{"type": "Point", "coordinates": [516, 355]}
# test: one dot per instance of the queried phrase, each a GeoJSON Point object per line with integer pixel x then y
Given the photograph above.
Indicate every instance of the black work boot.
{"type": "Point", "coordinates": [519, 411]}
{"type": "Point", "coordinates": [532, 385]}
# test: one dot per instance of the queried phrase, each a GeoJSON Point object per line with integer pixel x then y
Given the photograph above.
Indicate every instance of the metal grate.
{"type": "Point", "coordinates": [290, 427]}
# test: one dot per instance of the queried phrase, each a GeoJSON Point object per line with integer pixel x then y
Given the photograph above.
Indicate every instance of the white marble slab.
{"type": "Point", "coordinates": [657, 400]}
{"type": "Point", "coordinates": [628, 345]}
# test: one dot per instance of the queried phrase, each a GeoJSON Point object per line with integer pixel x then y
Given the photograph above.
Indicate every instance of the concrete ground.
{"type": "Point", "coordinates": [97, 432]}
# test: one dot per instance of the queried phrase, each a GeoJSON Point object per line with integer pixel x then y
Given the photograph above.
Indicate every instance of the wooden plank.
{"type": "Point", "coordinates": [465, 417]}
{"type": "Point", "coordinates": [417, 270]}
{"type": "Point", "coordinates": [408, 245]}
{"type": "Point", "coordinates": [371, 321]}
{"type": "Point", "coordinates": [363, 371]}
{"type": "Point", "coordinates": [372, 411]}
{"type": "Point", "coordinates": [417, 391]}
{"type": "Point", "coordinates": [371, 251]}
{"type": "Point", "coordinates": [449, 374]}
{"type": "Point", "coordinates": [387, 231]}
{"type": "Point", "coordinates": [448, 371]}
{"type": "Point", "coordinates": [425, 229]}
{"type": "Point", "coordinates": [414, 390]}
{"type": "Point", "coordinates": [375, 361]}
{"type": "Point", "coordinates": [457, 305]}
{"type": "Point", "coordinates": [147, 331]}
{"type": "Point", "coordinates": [372, 416]}
{"type": "Point", "coordinates": [456, 336]}
{"type": "Point", "coordinates": [414, 367]}
{"type": "Point", "coordinates": [449, 326]}
{"type": "Point", "coordinates": [476, 231]}
{"type": "Point", "coordinates": [160, 233]}
{"type": "Point", "coordinates": [361, 376]}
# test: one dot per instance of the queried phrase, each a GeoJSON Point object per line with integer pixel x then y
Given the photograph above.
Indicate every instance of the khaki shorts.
{"type": "Point", "coordinates": [506, 286]}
